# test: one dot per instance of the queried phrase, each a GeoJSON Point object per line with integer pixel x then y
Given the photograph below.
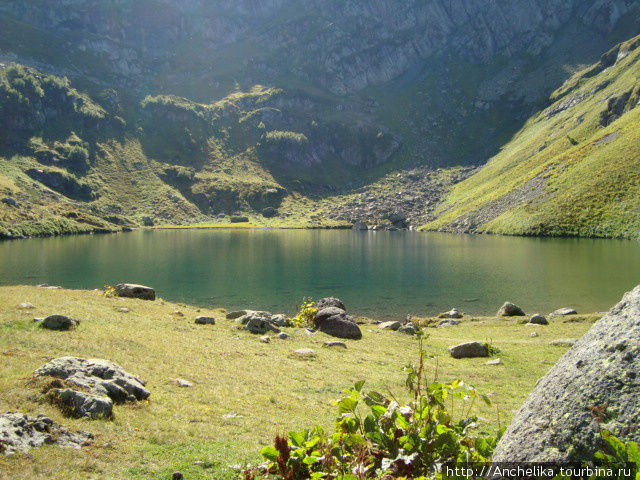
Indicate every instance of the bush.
{"type": "Point", "coordinates": [375, 437]}
{"type": "Point", "coordinates": [306, 313]}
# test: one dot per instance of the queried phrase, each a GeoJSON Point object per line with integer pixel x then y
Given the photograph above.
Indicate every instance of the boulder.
{"type": "Point", "coordinates": [202, 320]}
{"type": "Point", "coordinates": [407, 329]}
{"type": "Point", "coordinates": [258, 323]}
{"type": "Point", "coordinates": [595, 386]}
{"type": "Point", "coordinates": [265, 339]}
{"type": "Point", "coordinates": [538, 319]}
{"type": "Point", "coordinates": [326, 312]}
{"type": "Point", "coordinates": [283, 336]}
{"type": "Point", "coordinates": [449, 322]}
{"type": "Point", "coordinates": [453, 313]}
{"type": "Point", "coordinates": [304, 353]}
{"type": "Point", "coordinates": [563, 311]}
{"type": "Point", "coordinates": [340, 326]}
{"type": "Point", "coordinates": [269, 212]}
{"type": "Point", "coordinates": [131, 290]}
{"type": "Point", "coordinates": [19, 433]}
{"type": "Point", "coordinates": [334, 344]}
{"type": "Point", "coordinates": [330, 302]}
{"type": "Point", "coordinates": [509, 309]}
{"type": "Point", "coordinates": [11, 202]}
{"type": "Point", "coordinates": [237, 314]}
{"type": "Point", "coordinates": [495, 361]}
{"type": "Point", "coordinates": [82, 404]}
{"type": "Point", "coordinates": [281, 320]}
{"type": "Point", "coordinates": [469, 350]}
{"type": "Point", "coordinates": [97, 376]}
{"type": "Point", "coordinates": [390, 325]}
{"type": "Point", "coordinates": [59, 322]}
{"type": "Point", "coordinates": [238, 219]}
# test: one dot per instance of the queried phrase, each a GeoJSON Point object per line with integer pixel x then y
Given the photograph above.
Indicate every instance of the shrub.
{"type": "Point", "coordinates": [306, 313]}
{"type": "Point", "coordinates": [375, 437]}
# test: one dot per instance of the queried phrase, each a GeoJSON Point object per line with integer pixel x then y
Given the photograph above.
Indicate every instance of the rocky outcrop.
{"type": "Point", "coordinates": [594, 386]}
{"type": "Point", "coordinates": [19, 433]}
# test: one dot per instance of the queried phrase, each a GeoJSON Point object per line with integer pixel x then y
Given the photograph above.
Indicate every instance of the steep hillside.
{"type": "Point", "coordinates": [314, 113]}
{"type": "Point", "coordinates": [573, 169]}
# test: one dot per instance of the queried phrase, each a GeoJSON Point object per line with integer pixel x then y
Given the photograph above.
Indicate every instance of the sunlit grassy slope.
{"type": "Point", "coordinates": [573, 169]}
{"type": "Point", "coordinates": [244, 391]}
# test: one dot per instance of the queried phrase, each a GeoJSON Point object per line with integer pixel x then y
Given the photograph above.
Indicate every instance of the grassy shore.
{"type": "Point", "coordinates": [244, 391]}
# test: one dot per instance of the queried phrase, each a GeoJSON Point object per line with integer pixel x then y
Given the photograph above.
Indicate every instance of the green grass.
{"type": "Point", "coordinates": [591, 171]}
{"type": "Point", "coordinates": [264, 389]}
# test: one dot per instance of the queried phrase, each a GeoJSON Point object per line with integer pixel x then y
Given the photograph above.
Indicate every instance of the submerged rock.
{"type": "Point", "coordinates": [19, 433]}
{"type": "Point", "coordinates": [132, 290]}
{"type": "Point", "coordinates": [595, 386]}
{"type": "Point", "coordinates": [509, 309]}
{"type": "Point", "coordinates": [469, 350]}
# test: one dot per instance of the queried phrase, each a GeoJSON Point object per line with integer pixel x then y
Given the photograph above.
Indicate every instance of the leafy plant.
{"type": "Point", "coordinates": [306, 313]}
{"type": "Point", "coordinates": [375, 437]}
{"type": "Point", "coordinates": [110, 291]}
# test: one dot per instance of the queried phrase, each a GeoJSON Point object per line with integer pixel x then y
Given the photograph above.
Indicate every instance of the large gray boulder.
{"type": "Point", "coordinates": [330, 302]}
{"type": "Point", "coordinates": [509, 309]}
{"type": "Point", "coordinates": [19, 433]}
{"type": "Point", "coordinates": [594, 386]}
{"type": "Point", "coordinates": [83, 404]}
{"type": "Point", "coordinates": [327, 312]}
{"type": "Point", "coordinates": [340, 326]}
{"type": "Point", "coordinates": [100, 377]}
{"type": "Point", "coordinates": [132, 290]}
{"type": "Point", "coordinates": [469, 350]}
{"type": "Point", "coordinates": [59, 322]}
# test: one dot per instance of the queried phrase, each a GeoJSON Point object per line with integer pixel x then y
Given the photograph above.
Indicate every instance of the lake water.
{"type": "Point", "coordinates": [381, 274]}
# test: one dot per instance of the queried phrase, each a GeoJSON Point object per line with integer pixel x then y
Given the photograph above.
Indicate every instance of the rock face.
{"type": "Point", "coordinates": [100, 377]}
{"type": "Point", "coordinates": [469, 350]}
{"type": "Point", "coordinates": [18, 433]}
{"type": "Point", "coordinates": [82, 404]}
{"type": "Point", "coordinates": [510, 310]}
{"type": "Point", "coordinates": [131, 290]}
{"type": "Point", "coordinates": [59, 322]}
{"type": "Point", "coordinates": [594, 386]}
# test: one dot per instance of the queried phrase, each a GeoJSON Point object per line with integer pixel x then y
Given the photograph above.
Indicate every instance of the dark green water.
{"type": "Point", "coordinates": [383, 274]}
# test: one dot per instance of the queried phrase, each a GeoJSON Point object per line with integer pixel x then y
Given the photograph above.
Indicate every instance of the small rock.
{"type": "Point", "coordinates": [538, 319]}
{"type": "Point", "coordinates": [564, 342]}
{"type": "Point", "coordinates": [407, 329]}
{"type": "Point", "coordinates": [178, 313]}
{"type": "Point", "coordinates": [509, 309]}
{"type": "Point", "coordinates": [495, 361]}
{"type": "Point", "coordinates": [330, 302]}
{"type": "Point", "coordinates": [59, 322]}
{"type": "Point", "coordinates": [132, 290]}
{"type": "Point", "coordinates": [469, 350]}
{"type": "Point", "coordinates": [334, 344]}
{"type": "Point", "coordinates": [310, 331]}
{"type": "Point", "coordinates": [177, 476]}
{"type": "Point", "coordinates": [265, 339]}
{"type": "Point", "coordinates": [535, 334]}
{"type": "Point", "coordinates": [453, 313]}
{"type": "Point", "coordinates": [304, 353]}
{"type": "Point", "coordinates": [26, 306]}
{"type": "Point", "coordinates": [124, 310]}
{"type": "Point", "coordinates": [182, 383]}
{"type": "Point", "coordinates": [450, 322]}
{"type": "Point", "coordinates": [83, 404]}
{"type": "Point", "coordinates": [237, 314]}
{"type": "Point", "coordinates": [390, 326]}
{"type": "Point", "coordinates": [563, 311]}
{"type": "Point", "coordinates": [205, 320]}
{"type": "Point", "coordinates": [50, 287]}
{"type": "Point", "coordinates": [283, 336]}
{"type": "Point", "coordinates": [281, 320]}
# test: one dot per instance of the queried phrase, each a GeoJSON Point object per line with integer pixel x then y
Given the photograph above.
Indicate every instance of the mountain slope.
{"type": "Point", "coordinates": [574, 169]}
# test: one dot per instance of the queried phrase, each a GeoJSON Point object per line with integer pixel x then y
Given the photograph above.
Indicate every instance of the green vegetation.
{"type": "Point", "coordinates": [244, 391]}
{"type": "Point", "coordinates": [386, 440]}
{"type": "Point", "coordinates": [573, 168]}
